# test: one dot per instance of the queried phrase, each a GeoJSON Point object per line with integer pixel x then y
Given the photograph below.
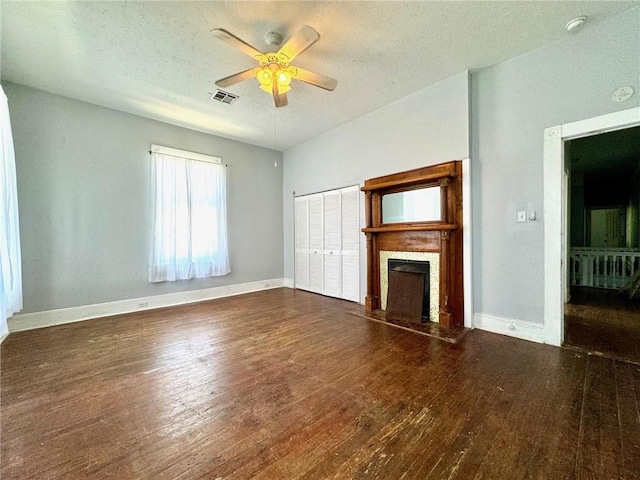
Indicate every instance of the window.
{"type": "Point", "coordinates": [10, 257]}
{"type": "Point", "coordinates": [190, 216]}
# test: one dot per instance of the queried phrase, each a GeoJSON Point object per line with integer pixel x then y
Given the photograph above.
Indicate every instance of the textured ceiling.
{"type": "Point", "coordinates": [158, 59]}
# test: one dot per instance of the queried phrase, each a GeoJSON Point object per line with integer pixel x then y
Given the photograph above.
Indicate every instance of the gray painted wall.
{"type": "Point", "coordinates": [84, 199]}
{"type": "Point", "coordinates": [511, 105]}
{"type": "Point", "coordinates": [425, 128]}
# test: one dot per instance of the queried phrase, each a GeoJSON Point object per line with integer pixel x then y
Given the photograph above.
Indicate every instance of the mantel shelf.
{"type": "Point", "coordinates": [405, 182]}
{"type": "Point", "coordinates": [411, 228]}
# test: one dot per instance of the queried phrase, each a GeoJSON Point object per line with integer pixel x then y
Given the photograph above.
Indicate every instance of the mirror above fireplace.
{"type": "Point", "coordinates": [419, 205]}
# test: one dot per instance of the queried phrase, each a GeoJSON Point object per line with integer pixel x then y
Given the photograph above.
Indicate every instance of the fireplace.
{"type": "Point", "coordinates": [398, 266]}
{"type": "Point", "coordinates": [417, 212]}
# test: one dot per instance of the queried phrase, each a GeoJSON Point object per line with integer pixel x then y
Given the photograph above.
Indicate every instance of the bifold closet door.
{"type": "Point", "coordinates": [316, 241]}
{"type": "Point", "coordinates": [327, 243]}
{"type": "Point", "coordinates": [350, 240]}
{"type": "Point", "coordinates": [332, 244]}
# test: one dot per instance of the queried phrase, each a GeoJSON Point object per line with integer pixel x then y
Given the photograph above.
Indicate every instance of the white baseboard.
{"type": "Point", "coordinates": [288, 282]}
{"type": "Point", "coordinates": [29, 321]}
{"type": "Point", "coordinates": [534, 332]}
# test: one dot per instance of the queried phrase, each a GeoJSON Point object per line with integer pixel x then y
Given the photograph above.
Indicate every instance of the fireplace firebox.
{"type": "Point", "coordinates": [414, 266]}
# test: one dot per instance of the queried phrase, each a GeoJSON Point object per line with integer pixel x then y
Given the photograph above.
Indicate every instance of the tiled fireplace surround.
{"type": "Point", "coordinates": [434, 278]}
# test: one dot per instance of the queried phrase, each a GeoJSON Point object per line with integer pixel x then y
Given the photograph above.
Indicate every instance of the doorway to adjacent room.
{"type": "Point", "coordinates": [602, 315]}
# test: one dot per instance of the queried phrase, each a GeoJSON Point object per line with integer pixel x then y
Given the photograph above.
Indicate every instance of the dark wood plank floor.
{"type": "Point", "coordinates": [604, 323]}
{"type": "Point", "coordinates": [285, 384]}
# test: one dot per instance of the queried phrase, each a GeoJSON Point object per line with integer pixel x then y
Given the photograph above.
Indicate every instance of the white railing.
{"type": "Point", "coordinates": [602, 268]}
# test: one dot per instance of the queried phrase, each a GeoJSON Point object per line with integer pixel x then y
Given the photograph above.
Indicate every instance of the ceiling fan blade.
{"type": "Point", "coordinates": [315, 79]}
{"type": "Point", "coordinates": [299, 42]}
{"type": "Point", "coordinates": [237, 78]}
{"type": "Point", "coordinates": [231, 39]}
{"type": "Point", "coordinates": [279, 98]}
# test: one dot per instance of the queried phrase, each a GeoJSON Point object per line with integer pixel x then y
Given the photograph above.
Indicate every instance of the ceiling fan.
{"type": "Point", "coordinates": [275, 71]}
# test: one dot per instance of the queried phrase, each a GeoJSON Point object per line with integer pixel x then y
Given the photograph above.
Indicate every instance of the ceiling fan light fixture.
{"type": "Point", "coordinates": [284, 78]}
{"type": "Point", "coordinates": [264, 77]}
{"type": "Point", "coordinates": [274, 72]}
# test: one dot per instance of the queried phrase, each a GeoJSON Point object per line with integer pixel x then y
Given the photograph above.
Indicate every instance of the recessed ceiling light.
{"type": "Point", "coordinates": [575, 24]}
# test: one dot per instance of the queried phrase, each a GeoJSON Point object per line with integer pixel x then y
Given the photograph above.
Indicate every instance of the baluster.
{"type": "Point", "coordinates": [585, 269]}
{"type": "Point", "coordinates": [614, 269]}
{"type": "Point", "coordinates": [621, 271]}
{"type": "Point", "coordinates": [580, 269]}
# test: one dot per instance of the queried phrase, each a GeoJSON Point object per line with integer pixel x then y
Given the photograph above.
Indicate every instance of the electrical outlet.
{"type": "Point", "coordinates": [522, 216]}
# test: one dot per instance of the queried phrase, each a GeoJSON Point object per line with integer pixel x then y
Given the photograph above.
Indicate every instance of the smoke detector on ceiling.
{"type": "Point", "coordinates": [575, 24]}
{"type": "Point", "coordinates": [622, 94]}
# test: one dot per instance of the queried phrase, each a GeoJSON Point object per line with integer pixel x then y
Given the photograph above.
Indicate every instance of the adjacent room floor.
{"type": "Point", "coordinates": [603, 322]}
{"type": "Point", "coordinates": [285, 384]}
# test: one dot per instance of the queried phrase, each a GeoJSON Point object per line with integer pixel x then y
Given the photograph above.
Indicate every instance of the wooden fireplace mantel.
{"type": "Point", "coordinates": [410, 227]}
{"type": "Point", "coordinates": [443, 236]}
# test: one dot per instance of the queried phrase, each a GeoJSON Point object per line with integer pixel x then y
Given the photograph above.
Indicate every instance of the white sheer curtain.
{"type": "Point", "coordinates": [190, 219]}
{"type": "Point", "coordinates": [10, 262]}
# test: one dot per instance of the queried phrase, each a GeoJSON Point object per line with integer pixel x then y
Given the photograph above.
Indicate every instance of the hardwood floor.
{"type": "Point", "coordinates": [285, 384]}
{"type": "Point", "coordinates": [604, 323]}
{"type": "Point", "coordinates": [430, 329]}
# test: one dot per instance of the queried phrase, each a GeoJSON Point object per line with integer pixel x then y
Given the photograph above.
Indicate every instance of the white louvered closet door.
{"type": "Point", "coordinates": [316, 241]}
{"type": "Point", "coordinates": [301, 205]}
{"type": "Point", "coordinates": [332, 244]}
{"type": "Point", "coordinates": [350, 236]}
{"type": "Point", "coordinates": [327, 243]}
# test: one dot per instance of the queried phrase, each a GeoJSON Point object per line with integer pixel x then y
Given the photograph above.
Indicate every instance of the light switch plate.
{"type": "Point", "coordinates": [522, 216]}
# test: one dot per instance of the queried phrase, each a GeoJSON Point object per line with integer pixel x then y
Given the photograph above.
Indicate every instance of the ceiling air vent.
{"type": "Point", "coordinates": [222, 96]}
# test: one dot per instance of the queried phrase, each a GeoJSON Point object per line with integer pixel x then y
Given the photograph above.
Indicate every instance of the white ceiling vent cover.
{"type": "Point", "coordinates": [224, 97]}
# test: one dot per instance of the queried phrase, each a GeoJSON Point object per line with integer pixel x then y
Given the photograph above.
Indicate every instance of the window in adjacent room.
{"type": "Point", "coordinates": [189, 216]}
